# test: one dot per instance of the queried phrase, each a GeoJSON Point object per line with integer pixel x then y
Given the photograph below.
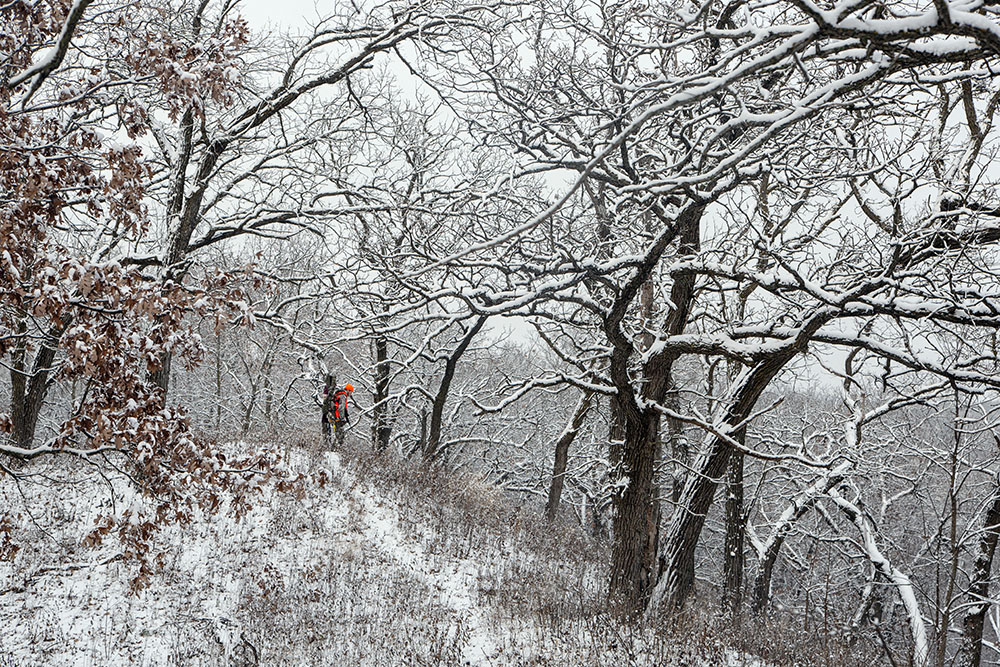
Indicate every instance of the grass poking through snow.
{"type": "Point", "coordinates": [390, 564]}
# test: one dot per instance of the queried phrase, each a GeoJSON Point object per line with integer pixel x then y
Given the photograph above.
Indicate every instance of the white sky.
{"type": "Point", "coordinates": [284, 14]}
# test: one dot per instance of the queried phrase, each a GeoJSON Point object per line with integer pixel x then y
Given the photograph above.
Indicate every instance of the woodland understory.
{"type": "Point", "coordinates": [714, 284]}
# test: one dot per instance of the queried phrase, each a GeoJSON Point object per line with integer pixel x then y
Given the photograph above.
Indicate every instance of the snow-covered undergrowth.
{"type": "Point", "coordinates": [376, 568]}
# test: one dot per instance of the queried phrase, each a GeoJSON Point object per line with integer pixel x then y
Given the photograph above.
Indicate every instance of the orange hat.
{"type": "Point", "coordinates": [349, 387]}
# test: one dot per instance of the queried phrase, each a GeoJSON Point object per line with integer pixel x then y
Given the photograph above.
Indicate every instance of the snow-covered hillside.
{"type": "Point", "coordinates": [387, 565]}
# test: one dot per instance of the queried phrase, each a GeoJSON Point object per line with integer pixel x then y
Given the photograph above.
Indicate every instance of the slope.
{"type": "Point", "coordinates": [391, 564]}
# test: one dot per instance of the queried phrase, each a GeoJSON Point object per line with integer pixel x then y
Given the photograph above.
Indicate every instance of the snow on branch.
{"type": "Point", "coordinates": [902, 583]}
{"type": "Point", "coordinates": [43, 68]}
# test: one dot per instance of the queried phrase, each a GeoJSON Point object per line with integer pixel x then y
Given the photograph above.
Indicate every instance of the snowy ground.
{"type": "Point", "coordinates": [355, 574]}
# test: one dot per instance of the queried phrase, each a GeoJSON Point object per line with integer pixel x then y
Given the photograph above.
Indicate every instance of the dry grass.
{"type": "Point", "coordinates": [393, 564]}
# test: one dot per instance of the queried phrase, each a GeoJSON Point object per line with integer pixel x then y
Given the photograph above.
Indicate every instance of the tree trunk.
{"type": "Point", "coordinates": [734, 558]}
{"type": "Point", "coordinates": [437, 408]}
{"type": "Point", "coordinates": [562, 453]}
{"type": "Point", "coordinates": [421, 444]}
{"type": "Point", "coordinates": [248, 412]}
{"type": "Point", "coordinates": [971, 649]}
{"type": "Point", "coordinates": [29, 388]}
{"type": "Point", "coordinates": [161, 376]}
{"type": "Point", "coordinates": [218, 382]}
{"type": "Point", "coordinates": [598, 530]}
{"type": "Point", "coordinates": [381, 430]}
{"type": "Point", "coordinates": [250, 407]}
{"type": "Point", "coordinates": [696, 499]}
{"type": "Point", "coordinates": [735, 536]}
{"type": "Point", "coordinates": [26, 405]}
{"type": "Point", "coordinates": [678, 449]}
{"type": "Point", "coordinates": [635, 550]}
{"type": "Point", "coordinates": [268, 401]}
{"type": "Point", "coordinates": [183, 227]}
{"type": "Point", "coordinates": [635, 562]}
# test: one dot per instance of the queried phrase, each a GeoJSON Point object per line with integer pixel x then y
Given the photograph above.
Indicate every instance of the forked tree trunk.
{"type": "Point", "coordinates": [635, 553]}
{"type": "Point", "coordinates": [433, 442]}
{"type": "Point", "coordinates": [562, 453]}
{"type": "Point", "coordinates": [29, 387]}
{"type": "Point", "coordinates": [257, 383]}
{"type": "Point", "coordinates": [971, 649]}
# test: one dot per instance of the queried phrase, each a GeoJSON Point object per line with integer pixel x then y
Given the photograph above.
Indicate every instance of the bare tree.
{"type": "Point", "coordinates": [679, 116]}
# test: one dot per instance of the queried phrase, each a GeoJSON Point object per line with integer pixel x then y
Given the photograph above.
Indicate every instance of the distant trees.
{"type": "Point", "coordinates": [211, 156]}
{"type": "Point", "coordinates": [269, 161]}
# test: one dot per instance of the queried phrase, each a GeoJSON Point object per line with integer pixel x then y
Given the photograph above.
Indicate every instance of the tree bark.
{"type": "Point", "coordinates": [562, 453]}
{"type": "Point", "coordinates": [678, 449]}
{"type": "Point", "coordinates": [218, 382]}
{"type": "Point", "coordinates": [423, 430]}
{"type": "Point", "coordinates": [971, 649]}
{"type": "Point", "coordinates": [696, 499]}
{"type": "Point", "coordinates": [268, 401]}
{"type": "Point", "coordinates": [437, 408]}
{"type": "Point", "coordinates": [635, 550]}
{"type": "Point", "coordinates": [635, 562]}
{"type": "Point", "coordinates": [381, 430]}
{"type": "Point", "coordinates": [29, 388]}
{"type": "Point", "coordinates": [735, 536]}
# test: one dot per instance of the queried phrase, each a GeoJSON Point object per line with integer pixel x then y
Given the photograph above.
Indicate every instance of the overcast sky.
{"type": "Point", "coordinates": [285, 13]}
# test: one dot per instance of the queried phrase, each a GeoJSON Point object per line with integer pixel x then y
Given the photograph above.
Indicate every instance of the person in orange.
{"type": "Point", "coordinates": [340, 416]}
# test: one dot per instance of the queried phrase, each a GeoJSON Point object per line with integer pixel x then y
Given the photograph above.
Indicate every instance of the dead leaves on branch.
{"type": "Point", "coordinates": [190, 70]}
{"type": "Point", "coordinates": [189, 478]}
{"type": "Point", "coordinates": [87, 318]}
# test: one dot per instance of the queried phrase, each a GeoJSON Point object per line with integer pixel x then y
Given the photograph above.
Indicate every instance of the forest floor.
{"type": "Point", "coordinates": [390, 564]}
